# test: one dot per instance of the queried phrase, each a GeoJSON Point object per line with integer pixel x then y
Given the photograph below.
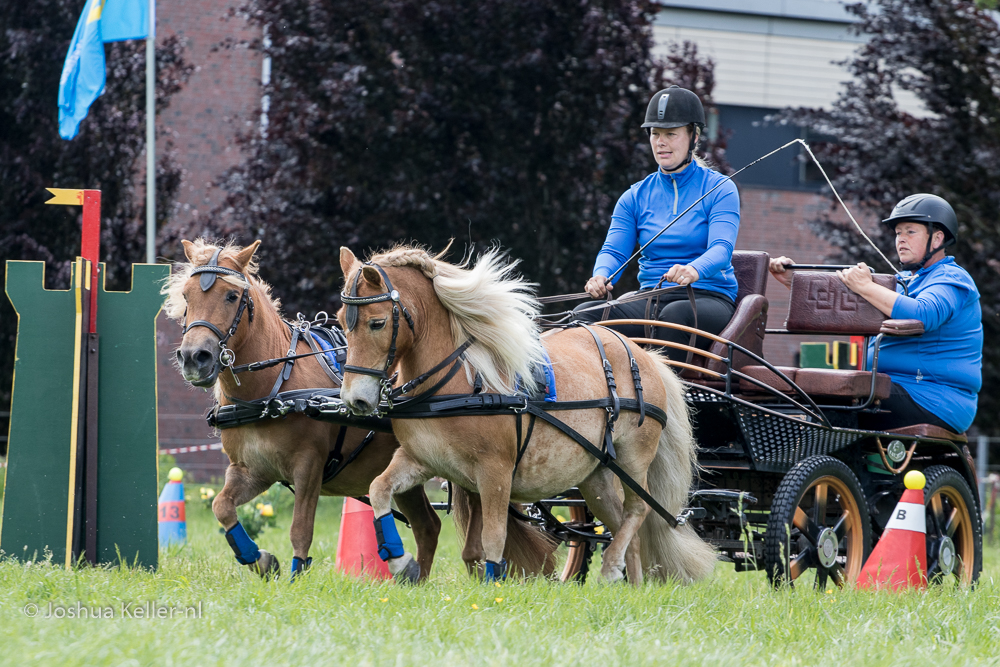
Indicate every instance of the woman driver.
{"type": "Point", "coordinates": [697, 249]}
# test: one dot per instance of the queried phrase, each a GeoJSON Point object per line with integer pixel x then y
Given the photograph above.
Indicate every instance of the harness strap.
{"type": "Point", "coordinates": [606, 460]}
{"type": "Point", "coordinates": [636, 377]}
{"type": "Point", "coordinates": [522, 447]}
{"type": "Point", "coordinates": [609, 377]}
{"type": "Point", "coordinates": [327, 477]}
{"type": "Point", "coordinates": [423, 377]}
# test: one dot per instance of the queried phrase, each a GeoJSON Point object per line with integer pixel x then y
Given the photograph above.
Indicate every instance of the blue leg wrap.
{"type": "Point", "coordinates": [245, 549]}
{"type": "Point", "coordinates": [495, 571]}
{"type": "Point", "coordinates": [389, 543]}
{"type": "Point", "coordinates": [299, 566]}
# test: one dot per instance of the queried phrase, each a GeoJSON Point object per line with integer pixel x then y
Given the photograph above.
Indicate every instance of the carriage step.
{"type": "Point", "coordinates": [722, 496]}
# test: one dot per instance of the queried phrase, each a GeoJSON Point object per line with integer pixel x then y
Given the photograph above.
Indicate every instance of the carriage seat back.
{"type": "Point", "coordinates": [821, 303]}
{"type": "Point", "coordinates": [750, 268]}
{"type": "Point", "coordinates": [746, 327]}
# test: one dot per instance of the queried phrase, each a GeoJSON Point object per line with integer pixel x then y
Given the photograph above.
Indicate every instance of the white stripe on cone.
{"type": "Point", "coordinates": [908, 516]}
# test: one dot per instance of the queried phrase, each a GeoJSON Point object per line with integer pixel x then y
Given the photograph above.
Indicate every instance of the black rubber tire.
{"type": "Point", "coordinates": [787, 552]}
{"type": "Point", "coordinates": [967, 534]}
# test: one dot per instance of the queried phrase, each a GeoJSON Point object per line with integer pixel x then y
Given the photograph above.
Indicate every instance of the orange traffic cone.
{"type": "Point", "coordinates": [357, 547]}
{"type": "Point", "coordinates": [899, 560]}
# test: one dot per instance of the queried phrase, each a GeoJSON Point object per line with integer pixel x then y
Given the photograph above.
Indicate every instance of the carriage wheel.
{"type": "Point", "coordinates": [954, 536]}
{"type": "Point", "coordinates": [819, 521]}
{"type": "Point", "coordinates": [579, 554]}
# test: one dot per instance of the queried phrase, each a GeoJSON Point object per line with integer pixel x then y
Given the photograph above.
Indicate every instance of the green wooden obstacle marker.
{"type": "Point", "coordinates": [36, 492]}
{"type": "Point", "coordinates": [38, 498]}
{"type": "Point", "coordinates": [127, 440]}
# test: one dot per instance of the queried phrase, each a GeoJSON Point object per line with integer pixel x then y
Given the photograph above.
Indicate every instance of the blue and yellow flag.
{"type": "Point", "coordinates": [83, 73]}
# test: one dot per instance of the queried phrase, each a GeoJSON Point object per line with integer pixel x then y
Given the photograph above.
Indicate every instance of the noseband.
{"type": "Point", "coordinates": [208, 274]}
{"type": "Point", "coordinates": [352, 301]}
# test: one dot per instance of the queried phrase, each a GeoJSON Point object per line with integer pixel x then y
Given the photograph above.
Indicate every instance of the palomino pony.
{"type": "Point", "coordinates": [295, 448]}
{"type": "Point", "coordinates": [422, 316]}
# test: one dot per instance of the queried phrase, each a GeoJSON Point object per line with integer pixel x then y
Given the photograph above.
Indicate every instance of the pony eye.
{"type": "Point", "coordinates": [375, 325]}
{"type": "Point", "coordinates": [231, 297]}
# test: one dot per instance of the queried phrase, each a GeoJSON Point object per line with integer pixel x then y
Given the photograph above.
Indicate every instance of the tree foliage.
{"type": "Point", "coordinates": [501, 121]}
{"type": "Point", "coordinates": [106, 155]}
{"type": "Point", "coordinates": [946, 53]}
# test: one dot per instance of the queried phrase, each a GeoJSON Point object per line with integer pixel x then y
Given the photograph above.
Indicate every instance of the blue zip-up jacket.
{"type": "Point", "coordinates": [942, 370]}
{"type": "Point", "coordinates": [703, 238]}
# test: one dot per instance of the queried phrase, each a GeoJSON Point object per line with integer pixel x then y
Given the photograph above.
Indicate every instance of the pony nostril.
{"type": "Point", "coordinates": [203, 357]}
{"type": "Point", "coordinates": [362, 406]}
{"type": "Point", "coordinates": [180, 355]}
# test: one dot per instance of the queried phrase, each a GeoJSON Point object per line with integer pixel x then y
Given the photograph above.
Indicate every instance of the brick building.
{"type": "Point", "coordinates": [768, 56]}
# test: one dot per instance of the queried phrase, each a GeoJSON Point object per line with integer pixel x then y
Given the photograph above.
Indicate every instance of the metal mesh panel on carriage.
{"type": "Point", "coordinates": [777, 443]}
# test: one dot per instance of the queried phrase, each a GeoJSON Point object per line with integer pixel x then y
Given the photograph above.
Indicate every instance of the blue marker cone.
{"type": "Point", "coordinates": [173, 523]}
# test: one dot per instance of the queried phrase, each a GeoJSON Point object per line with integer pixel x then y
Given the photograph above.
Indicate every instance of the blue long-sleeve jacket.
{"type": "Point", "coordinates": [703, 238]}
{"type": "Point", "coordinates": [942, 369]}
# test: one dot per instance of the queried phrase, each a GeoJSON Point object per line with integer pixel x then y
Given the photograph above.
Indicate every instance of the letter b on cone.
{"type": "Point", "coordinates": [899, 560]}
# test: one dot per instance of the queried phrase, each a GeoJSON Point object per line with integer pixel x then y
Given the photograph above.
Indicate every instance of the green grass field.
{"type": "Point", "coordinates": [325, 618]}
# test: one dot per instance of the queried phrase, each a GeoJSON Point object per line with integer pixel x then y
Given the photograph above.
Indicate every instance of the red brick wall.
{"type": "Point", "coordinates": [182, 408]}
{"type": "Point", "coordinates": [221, 98]}
{"type": "Point", "coordinates": [777, 222]}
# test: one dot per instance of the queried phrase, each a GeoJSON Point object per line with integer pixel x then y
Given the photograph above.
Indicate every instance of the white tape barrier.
{"type": "Point", "coordinates": [193, 448]}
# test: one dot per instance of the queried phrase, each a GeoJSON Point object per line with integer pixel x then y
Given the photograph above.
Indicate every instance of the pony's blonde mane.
{"type": "Point", "coordinates": [488, 303]}
{"type": "Point", "coordinates": [173, 287]}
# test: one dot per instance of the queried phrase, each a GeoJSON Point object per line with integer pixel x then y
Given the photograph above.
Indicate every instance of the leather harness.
{"type": "Point", "coordinates": [431, 405]}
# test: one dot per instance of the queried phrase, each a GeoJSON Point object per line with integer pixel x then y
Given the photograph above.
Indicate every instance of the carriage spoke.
{"type": "Point", "coordinates": [798, 565]}
{"type": "Point", "coordinates": [821, 576]}
{"type": "Point", "coordinates": [820, 504]}
{"type": "Point", "coordinates": [806, 525]}
{"type": "Point", "coordinates": [937, 510]}
{"type": "Point", "coordinates": [953, 522]}
{"type": "Point", "coordinates": [839, 576]}
{"type": "Point", "coordinates": [840, 528]}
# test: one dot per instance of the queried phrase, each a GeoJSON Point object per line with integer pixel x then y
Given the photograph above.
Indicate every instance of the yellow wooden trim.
{"type": "Point", "coordinates": [665, 325]}
{"type": "Point", "coordinates": [66, 197]}
{"type": "Point", "coordinates": [677, 346]}
{"type": "Point", "coordinates": [75, 411]}
{"type": "Point", "coordinates": [692, 367]}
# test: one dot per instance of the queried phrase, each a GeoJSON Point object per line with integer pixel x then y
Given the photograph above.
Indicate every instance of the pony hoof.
{"type": "Point", "coordinates": [614, 575]}
{"type": "Point", "coordinates": [404, 569]}
{"type": "Point", "coordinates": [267, 566]}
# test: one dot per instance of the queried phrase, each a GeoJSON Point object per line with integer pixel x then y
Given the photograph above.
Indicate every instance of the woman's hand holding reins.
{"type": "Point", "coordinates": [681, 274]}
{"type": "Point", "coordinates": [598, 287]}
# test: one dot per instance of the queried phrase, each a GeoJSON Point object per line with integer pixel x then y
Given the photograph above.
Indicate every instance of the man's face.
{"type": "Point", "coordinates": [911, 241]}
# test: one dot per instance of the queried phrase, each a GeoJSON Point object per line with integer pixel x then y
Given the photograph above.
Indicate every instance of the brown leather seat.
{"type": "Point", "coordinates": [842, 383]}
{"type": "Point", "coordinates": [746, 328]}
{"type": "Point", "coordinates": [821, 303]}
{"type": "Point", "coordinates": [930, 431]}
{"type": "Point", "coordinates": [765, 375]}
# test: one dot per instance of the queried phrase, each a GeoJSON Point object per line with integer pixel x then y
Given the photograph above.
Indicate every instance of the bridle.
{"type": "Point", "coordinates": [386, 391]}
{"type": "Point", "coordinates": [208, 275]}
{"type": "Point", "coordinates": [352, 301]}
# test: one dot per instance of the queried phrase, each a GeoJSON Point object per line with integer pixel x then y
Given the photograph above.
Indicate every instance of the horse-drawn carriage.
{"type": "Point", "coordinates": [787, 483]}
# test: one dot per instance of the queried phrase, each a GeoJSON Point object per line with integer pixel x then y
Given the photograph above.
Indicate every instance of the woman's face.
{"type": "Point", "coordinates": [670, 145]}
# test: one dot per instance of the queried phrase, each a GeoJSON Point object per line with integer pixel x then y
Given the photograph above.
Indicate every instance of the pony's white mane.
{"type": "Point", "coordinates": [173, 287]}
{"type": "Point", "coordinates": [488, 303]}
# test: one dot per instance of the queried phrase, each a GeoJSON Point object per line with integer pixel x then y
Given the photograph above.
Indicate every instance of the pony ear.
{"type": "Point", "coordinates": [188, 250]}
{"type": "Point", "coordinates": [347, 260]}
{"type": "Point", "coordinates": [244, 256]}
{"type": "Point", "coordinates": [371, 276]}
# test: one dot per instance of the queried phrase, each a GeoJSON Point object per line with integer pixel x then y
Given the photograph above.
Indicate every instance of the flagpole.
{"type": "Point", "coordinates": [151, 136]}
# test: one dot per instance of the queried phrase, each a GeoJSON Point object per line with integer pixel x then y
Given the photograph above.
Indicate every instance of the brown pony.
{"type": "Point", "coordinates": [294, 448]}
{"type": "Point", "coordinates": [490, 313]}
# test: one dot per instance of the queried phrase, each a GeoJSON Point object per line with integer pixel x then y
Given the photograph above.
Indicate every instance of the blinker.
{"type": "Point", "coordinates": [207, 279]}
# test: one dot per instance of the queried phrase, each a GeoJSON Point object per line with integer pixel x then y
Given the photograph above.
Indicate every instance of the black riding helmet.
{"type": "Point", "coordinates": [931, 210]}
{"type": "Point", "coordinates": [676, 107]}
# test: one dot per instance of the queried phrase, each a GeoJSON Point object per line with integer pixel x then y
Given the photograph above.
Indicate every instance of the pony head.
{"type": "Point", "coordinates": [207, 304]}
{"type": "Point", "coordinates": [485, 303]}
